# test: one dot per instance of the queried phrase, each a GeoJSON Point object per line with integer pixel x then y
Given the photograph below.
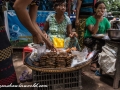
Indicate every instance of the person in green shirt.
{"type": "Point", "coordinates": [96, 24]}
{"type": "Point", "coordinates": [101, 26]}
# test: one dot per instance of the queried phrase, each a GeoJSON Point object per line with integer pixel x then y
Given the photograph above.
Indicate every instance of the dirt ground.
{"type": "Point", "coordinates": [89, 80]}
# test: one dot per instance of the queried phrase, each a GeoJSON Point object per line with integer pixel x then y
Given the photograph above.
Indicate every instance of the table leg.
{"type": "Point", "coordinates": [117, 73]}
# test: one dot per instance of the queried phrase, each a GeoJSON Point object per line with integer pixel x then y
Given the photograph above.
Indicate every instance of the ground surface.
{"type": "Point", "coordinates": [89, 80]}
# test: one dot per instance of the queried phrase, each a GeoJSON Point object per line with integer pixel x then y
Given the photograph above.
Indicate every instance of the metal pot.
{"type": "Point", "coordinates": [114, 34]}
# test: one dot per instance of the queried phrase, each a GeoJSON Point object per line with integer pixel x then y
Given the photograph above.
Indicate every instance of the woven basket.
{"type": "Point", "coordinates": [58, 70]}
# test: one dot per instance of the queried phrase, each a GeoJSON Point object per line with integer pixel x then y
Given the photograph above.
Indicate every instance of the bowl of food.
{"type": "Point", "coordinates": [98, 35]}
{"type": "Point", "coordinates": [114, 34]}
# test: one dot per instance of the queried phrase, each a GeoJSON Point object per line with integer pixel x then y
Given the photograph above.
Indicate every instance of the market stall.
{"type": "Point", "coordinates": [56, 75]}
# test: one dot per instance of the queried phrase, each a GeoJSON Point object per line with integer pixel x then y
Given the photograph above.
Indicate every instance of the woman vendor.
{"type": "Point", "coordinates": [58, 24]}
{"type": "Point", "coordinates": [96, 24]}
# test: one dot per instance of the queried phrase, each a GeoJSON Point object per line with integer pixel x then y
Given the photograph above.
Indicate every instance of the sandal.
{"type": "Point", "coordinates": [22, 79]}
{"type": "Point", "coordinates": [22, 76]}
{"type": "Point", "coordinates": [29, 78]}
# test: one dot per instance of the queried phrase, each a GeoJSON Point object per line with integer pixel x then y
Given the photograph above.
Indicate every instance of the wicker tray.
{"type": "Point", "coordinates": [28, 63]}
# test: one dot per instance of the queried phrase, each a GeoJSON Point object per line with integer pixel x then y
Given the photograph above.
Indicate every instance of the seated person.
{"type": "Point", "coordinates": [96, 24]}
{"type": "Point", "coordinates": [58, 24]}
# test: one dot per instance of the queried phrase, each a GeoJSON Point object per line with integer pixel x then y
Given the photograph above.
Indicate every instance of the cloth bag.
{"type": "Point", "coordinates": [107, 59]}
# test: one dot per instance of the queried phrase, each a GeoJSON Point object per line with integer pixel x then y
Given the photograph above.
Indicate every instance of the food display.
{"type": "Point", "coordinates": [68, 50]}
{"type": "Point", "coordinates": [55, 60]}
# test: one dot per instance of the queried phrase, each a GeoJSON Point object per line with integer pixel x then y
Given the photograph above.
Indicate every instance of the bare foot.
{"type": "Point", "coordinates": [93, 67]}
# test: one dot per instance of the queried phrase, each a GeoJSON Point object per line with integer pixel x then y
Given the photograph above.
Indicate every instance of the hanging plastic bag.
{"type": "Point", "coordinates": [58, 42]}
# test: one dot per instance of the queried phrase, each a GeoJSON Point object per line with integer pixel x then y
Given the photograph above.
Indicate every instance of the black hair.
{"type": "Point", "coordinates": [98, 3]}
{"type": "Point", "coordinates": [58, 2]}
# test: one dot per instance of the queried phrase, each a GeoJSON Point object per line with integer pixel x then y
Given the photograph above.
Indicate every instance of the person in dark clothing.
{"type": "Point", "coordinates": [7, 71]}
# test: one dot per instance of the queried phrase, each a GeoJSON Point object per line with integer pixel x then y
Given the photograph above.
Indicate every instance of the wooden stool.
{"type": "Point", "coordinates": [26, 49]}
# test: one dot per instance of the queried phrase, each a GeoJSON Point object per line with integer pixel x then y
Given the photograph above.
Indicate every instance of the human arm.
{"type": "Point", "coordinates": [46, 27]}
{"type": "Point", "coordinates": [79, 2]}
{"type": "Point", "coordinates": [29, 21]}
{"type": "Point", "coordinates": [70, 33]}
{"type": "Point", "coordinates": [69, 26]}
{"type": "Point", "coordinates": [45, 39]}
{"type": "Point", "coordinates": [20, 8]}
{"type": "Point", "coordinates": [69, 29]}
{"type": "Point", "coordinates": [93, 28]}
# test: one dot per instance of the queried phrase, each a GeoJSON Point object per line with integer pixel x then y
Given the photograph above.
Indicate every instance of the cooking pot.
{"type": "Point", "coordinates": [114, 34]}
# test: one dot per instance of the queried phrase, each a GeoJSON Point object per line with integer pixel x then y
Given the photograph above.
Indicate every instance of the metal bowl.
{"type": "Point", "coordinates": [114, 34]}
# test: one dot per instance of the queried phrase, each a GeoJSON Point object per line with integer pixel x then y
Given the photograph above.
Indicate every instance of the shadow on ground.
{"type": "Point", "coordinates": [88, 83]}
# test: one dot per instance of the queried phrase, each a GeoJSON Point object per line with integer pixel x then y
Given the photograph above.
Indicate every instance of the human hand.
{"type": "Point", "coordinates": [50, 46]}
{"type": "Point", "coordinates": [99, 12]}
{"type": "Point", "coordinates": [37, 39]}
{"type": "Point", "coordinates": [73, 34]}
{"type": "Point", "coordinates": [99, 15]}
{"type": "Point", "coordinates": [45, 34]}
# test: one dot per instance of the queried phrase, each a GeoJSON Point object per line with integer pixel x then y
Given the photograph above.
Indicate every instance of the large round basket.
{"type": "Point", "coordinates": [28, 63]}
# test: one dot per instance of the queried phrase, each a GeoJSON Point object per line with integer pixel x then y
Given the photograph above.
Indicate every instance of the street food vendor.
{"type": "Point", "coordinates": [96, 24]}
{"type": "Point", "coordinates": [58, 24]}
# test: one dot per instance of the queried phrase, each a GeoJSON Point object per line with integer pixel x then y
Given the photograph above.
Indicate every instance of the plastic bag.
{"type": "Point", "coordinates": [30, 45]}
{"type": "Point", "coordinates": [37, 52]}
{"type": "Point", "coordinates": [81, 57]}
{"type": "Point", "coordinates": [107, 59]}
{"type": "Point", "coordinates": [91, 55]}
{"type": "Point", "coordinates": [58, 42]}
{"type": "Point", "coordinates": [33, 55]}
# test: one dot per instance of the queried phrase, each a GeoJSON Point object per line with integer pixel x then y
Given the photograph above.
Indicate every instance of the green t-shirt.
{"type": "Point", "coordinates": [104, 25]}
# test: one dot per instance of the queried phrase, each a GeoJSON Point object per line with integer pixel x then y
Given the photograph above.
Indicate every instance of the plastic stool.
{"type": "Point", "coordinates": [26, 49]}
